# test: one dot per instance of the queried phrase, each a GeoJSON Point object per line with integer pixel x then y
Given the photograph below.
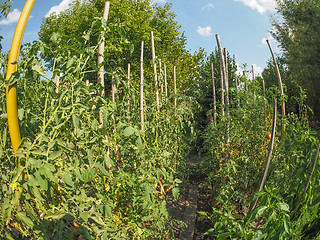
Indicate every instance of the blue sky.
{"type": "Point", "coordinates": [243, 25]}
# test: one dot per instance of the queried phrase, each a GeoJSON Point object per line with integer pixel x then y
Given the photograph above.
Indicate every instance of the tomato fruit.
{"type": "Point", "coordinates": [268, 136]}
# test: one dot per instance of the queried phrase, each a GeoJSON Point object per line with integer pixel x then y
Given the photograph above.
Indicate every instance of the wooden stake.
{"type": "Point", "coordinates": [175, 86]}
{"type": "Point", "coordinates": [129, 68]}
{"type": "Point", "coordinates": [113, 89]}
{"type": "Point", "coordinates": [141, 88]}
{"type": "Point", "coordinates": [165, 81]}
{"type": "Point", "coordinates": [237, 91]}
{"type": "Point", "coordinates": [214, 96]}
{"type": "Point", "coordinates": [57, 83]}
{"type": "Point", "coordinates": [265, 99]}
{"type": "Point", "coordinates": [280, 86]}
{"type": "Point", "coordinates": [274, 123]}
{"type": "Point", "coordinates": [253, 82]}
{"type": "Point", "coordinates": [101, 51]}
{"type": "Point", "coordinates": [155, 70]}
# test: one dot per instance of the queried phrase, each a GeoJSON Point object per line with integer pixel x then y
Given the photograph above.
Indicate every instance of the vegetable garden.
{"type": "Point", "coordinates": [100, 156]}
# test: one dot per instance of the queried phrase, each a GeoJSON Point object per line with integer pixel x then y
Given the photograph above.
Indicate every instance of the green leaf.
{"type": "Point", "coordinates": [55, 155]}
{"type": "Point", "coordinates": [37, 194]}
{"type": "Point", "coordinates": [128, 131]}
{"type": "Point", "coordinates": [13, 79]}
{"type": "Point", "coordinates": [55, 37]}
{"type": "Point", "coordinates": [39, 69]}
{"type": "Point", "coordinates": [102, 169]}
{"type": "Point", "coordinates": [76, 121]}
{"type": "Point", "coordinates": [66, 177]}
{"type": "Point", "coordinates": [20, 113]}
{"type": "Point", "coordinates": [26, 220]}
{"type": "Point", "coordinates": [42, 182]}
{"type": "Point", "coordinates": [283, 206]}
{"type": "Point", "coordinates": [260, 210]}
{"type": "Point", "coordinates": [32, 181]}
{"type": "Point", "coordinates": [98, 220]}
{"type": "Point", "coordinates": [175, 192]}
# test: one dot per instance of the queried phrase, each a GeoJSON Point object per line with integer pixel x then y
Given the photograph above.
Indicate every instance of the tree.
{"type": "Point", "coordinates": [299, 38]}
{"type": "Point", "coordinates": [4, 11]}
{"type": "Point", "coordinates": [129, 23]}
{"type": "Point", "coordinates": [289, 80]}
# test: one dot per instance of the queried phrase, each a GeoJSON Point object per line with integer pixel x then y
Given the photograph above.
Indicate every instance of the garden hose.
{"type": "Point", "coordinates": [11, 91]}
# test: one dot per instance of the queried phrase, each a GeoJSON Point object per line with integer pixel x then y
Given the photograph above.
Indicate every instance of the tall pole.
{"type": "Point", "coordinates": [175, 86]}
{"type": "Point", "coordinates": [281, 88]}
{"type": "Point", "coordinates": [101, 51]}
{"type": "Point", "coordinates": [253, 82]}
{"type": "Point", "coordinates": [214, 96]}
{"type": "Point", "coordinates": [155, 70]}
{"type": "Point", "coordinates": [141, 88]}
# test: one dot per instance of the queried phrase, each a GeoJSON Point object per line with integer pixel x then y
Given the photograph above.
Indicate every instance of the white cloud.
{"type": "Point", "coordinates": [257, 70]}
{"type": "Point", "coordinates": [11, 18]}
{"type": "Point", "coordinates": [262, 6]}
{"type": "Point", "coordinates": [59, 8]}
{"type": "Point", "coordinates": [206, 31]}
{"type": "Point", "coordinates": [158, 1]}
{"type": "Point", "coordinates": [208, 6]}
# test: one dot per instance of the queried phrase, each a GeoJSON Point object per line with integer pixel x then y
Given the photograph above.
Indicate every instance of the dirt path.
{"type": "Point", "coordinates": [191, 200]}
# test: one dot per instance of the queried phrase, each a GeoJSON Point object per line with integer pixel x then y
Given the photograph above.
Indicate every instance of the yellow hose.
{"type": "Point", "coordinates": [11, 92]}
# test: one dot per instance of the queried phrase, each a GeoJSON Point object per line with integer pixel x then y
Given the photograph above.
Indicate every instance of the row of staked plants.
{"type": "Point", "coordinates": [73, 178]}
{"type": "Point", "coordinates": [234, 172]}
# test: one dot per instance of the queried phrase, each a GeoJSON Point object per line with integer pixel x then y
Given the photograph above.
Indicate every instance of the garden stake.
{"type": "Point", "coordinates": [155, 70]}
{"type": "Point", "coordinates": [253, 82]}
{"type": "Point", "coordinates": [274, 123]}
{"type": "Point", "coordinates": [141, 88]}
{"type": "Point", "coordinates": [214, 96]}
{"type": "Point", "coordinates": [129, 65]}
{"type": "Point", "coordinates": [101, 51]}
{"type": "Point", "coordinates": [165, 81]}
{"type": "Point", "coordinates": [281, 89]}
{"type": "Point", "coordinates": [175, 87]}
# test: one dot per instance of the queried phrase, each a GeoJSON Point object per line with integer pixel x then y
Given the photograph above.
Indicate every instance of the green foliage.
{"type": "Point", "coordinates": [73, 177]}
{"type": "Point", "coordinates": [298, 36]}
{"type": "Point", "coordinates": [4, 11]}
{"type": "Point", "coordinates": [234, 171]}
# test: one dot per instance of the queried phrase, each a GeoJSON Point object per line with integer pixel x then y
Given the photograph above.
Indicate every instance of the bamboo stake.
{"type": "Point", "coordinates": [128, 108]}
{"type": "Point", "coordinates": [113, 90]}
{"type": "Point", "coordinates": [237, 92]}
{"type": "Point", "coordinates": [245, 83]}
{"type": "Point", "coordinates": [141, 88]}
{"type": "Point", "coordinates": [280, 86]}
{"type": "Point", "coordinates": [222, 89]}
{"type": "Point", "coordinates": [308, 182]}
{"type": "Point", "coordinates": [227, 101]}
{"type": "Point", "coordinates": [253, 82]}
{"type": "Point", "coordinates": [155, 70]}
{"type": "Point", "coordinates": [57, 83]}
{"type": "Point", "coordinates": [161, 82]}
{"type": "Point", "coordinates": [265, 99]}
{"type": "Point", "coordinates": [223, 65]}
{"type": "Point", "coordinates": [101, 51]}
{"type": "Point", "coordinates": [101, 59]}
{"type": "Point", "coordinates": [175, 86]}
{"type": "Point", "coordinates": [214, 96]}
{"type": "Point", "coordinates": [274, 123]}
{"type": "Point", "coordinates": [165, 81]}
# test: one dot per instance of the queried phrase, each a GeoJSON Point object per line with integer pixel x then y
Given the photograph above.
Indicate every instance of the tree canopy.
{"type": "Point", "coordinates": [297, 32]}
